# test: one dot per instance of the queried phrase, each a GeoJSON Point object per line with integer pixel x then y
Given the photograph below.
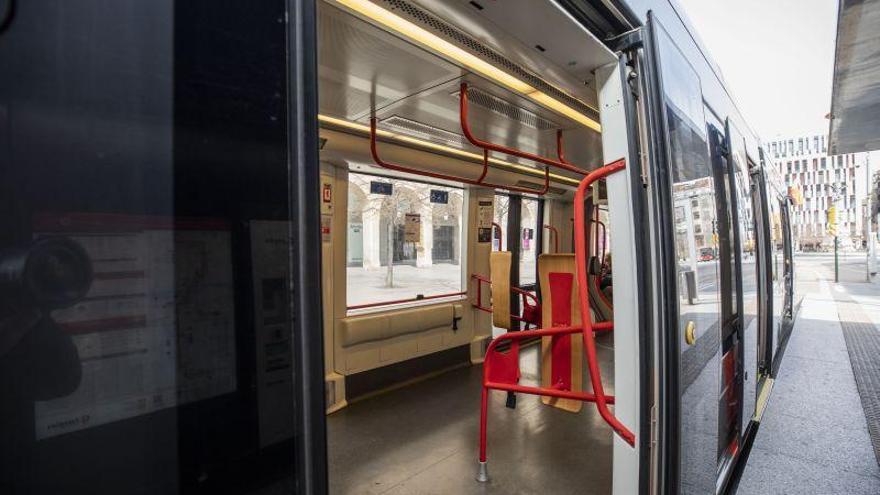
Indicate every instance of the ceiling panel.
{"type": "Point", "coordinates": [439, 106]}
{"type": "Point", "coordinates": [361, 67]}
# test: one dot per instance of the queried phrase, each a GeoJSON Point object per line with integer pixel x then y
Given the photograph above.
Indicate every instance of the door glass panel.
{"type": "Point", "coordinates": [499, 235]}
{"type": "Point", "coordinates": [696, 251]}
{"type": "Point", "coordinates": [777, 258]}
{"type": "Point", "coordinates": [145, 330]}
{"type": "Point", "coordinates": [528, 260]}
{"type": "Point", "coordinates": [748, 259]}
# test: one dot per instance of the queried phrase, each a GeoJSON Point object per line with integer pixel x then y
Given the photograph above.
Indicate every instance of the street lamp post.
{"type": "Point", "coordinates": [832, 225]}
{"type": "Point", "coordinates": [869, 237]}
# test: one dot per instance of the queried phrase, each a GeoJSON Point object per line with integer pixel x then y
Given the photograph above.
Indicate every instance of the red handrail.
{"type": "Point", "coordinates": [583, 300]}
{"type": "Point", "coordinates": [485, 145]}
{"type": "Point", "coordinates": [399, 301]}
{"type": "Point", "coordinates": [559, 153]}
{"type": "Point", "coordinates": [555, 232]}
{"type": "Point", "coordinates": [478, 182]}
{"type": "Point", "coordinates": [500, 235]}
{"type": "Point", "coordinates": [488, 309]}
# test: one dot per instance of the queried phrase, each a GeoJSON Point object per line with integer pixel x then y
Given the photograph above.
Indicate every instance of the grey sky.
{"type": "Point", "coordinates": [776, 56]}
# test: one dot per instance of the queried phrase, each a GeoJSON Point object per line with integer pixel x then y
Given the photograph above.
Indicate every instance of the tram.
{"type": "Point", "coordinates": [380, 246]}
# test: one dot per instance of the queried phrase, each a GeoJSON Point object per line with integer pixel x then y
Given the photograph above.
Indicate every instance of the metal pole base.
{"type": "Point", "coordinates": [483, 473]}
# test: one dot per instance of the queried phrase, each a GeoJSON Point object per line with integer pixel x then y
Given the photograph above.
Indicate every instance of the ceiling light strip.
{"type": "Point", "coordinates": [405, 28]}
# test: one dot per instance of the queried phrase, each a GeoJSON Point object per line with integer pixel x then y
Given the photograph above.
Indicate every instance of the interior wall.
{"type": "Point", "coordinates": [333, 264]}
{"type": "Point", "coordinates": [474, 326]}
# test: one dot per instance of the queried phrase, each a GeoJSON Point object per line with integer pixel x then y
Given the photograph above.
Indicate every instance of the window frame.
{"type": "Point", "coordinates": [418, 299]}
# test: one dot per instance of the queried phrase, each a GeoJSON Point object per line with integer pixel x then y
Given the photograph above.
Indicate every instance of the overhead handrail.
{"type": "Point", "coordinates": [559, 153]}
{"type": "Point", "coordinates": [583, 299]}
{"type": "Point", "coordinates": [486, 145]}
{"type": "Point", "coordinates": [374, 151]}
{"type": "Point", "coordinates": [555, 233]}
{"type": "Point", "coordinates": [500, 235]}
{"type": "Point", "coordinates": [419, 297]}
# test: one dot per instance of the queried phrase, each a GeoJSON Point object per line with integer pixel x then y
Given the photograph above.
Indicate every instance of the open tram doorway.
{"type": "Point", "coordinates": [420, 214]}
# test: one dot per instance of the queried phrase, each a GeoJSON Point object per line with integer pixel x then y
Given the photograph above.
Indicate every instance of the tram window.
{"type": "Point", "coordinates": [402, 245]}
{"type": "Point", "coordinates": [698, 282]}
{"type": "Point", "coordinates": [529, 248]}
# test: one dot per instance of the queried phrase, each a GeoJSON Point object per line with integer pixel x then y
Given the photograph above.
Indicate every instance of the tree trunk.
{"type": "Point", "coordinates": [389, 274]}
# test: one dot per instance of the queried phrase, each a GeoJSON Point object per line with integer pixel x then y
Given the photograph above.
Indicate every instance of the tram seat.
{"type": "Point", "coordinates": [499, 270]}
{"type": "Point", "coordinates": [373, 328]}
{"type": "Point", "coordinates": [372, 341]}
{"type": "Point", "coordinates": [561, 355]}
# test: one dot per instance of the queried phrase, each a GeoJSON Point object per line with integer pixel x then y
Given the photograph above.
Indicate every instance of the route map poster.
{"type": "Point", "coordinates": [157, 327]}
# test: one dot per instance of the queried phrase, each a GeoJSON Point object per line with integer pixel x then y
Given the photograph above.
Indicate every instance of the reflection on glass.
{"type": "Point", "coordinates": [145, 312]}
{"type": "Point", "coordinates": [748, 244]}
{"type": "Point", "coordinates": [699, 300]}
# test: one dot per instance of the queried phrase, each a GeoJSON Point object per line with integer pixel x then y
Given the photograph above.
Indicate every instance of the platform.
{"type": "Point", "coordinates": [815, 435]}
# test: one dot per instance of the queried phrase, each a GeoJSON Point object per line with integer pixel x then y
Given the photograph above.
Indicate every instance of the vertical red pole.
{"type": "Point", "coordinates": [484, 406]}
{"type": "Point", "coordinates": [581, 260]}
{"type": "Point", "coordinates": [483, 473]}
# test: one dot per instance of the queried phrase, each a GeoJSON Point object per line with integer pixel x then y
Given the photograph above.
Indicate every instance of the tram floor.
{"type": "Point", "coordinates": [422, 439]}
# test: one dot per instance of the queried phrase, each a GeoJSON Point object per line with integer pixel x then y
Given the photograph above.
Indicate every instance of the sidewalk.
{"type": "Point", "coordinates": [814, 437]}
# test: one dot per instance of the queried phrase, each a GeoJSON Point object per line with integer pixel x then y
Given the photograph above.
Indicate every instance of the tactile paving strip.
{"type": "Point", "coordinates": [863, 344]}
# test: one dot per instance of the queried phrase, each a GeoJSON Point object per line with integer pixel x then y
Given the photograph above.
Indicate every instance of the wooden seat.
{"type": "Point", "coordinates": [561, 355]}
{"type": "Point", "coordinates": [499, 273]}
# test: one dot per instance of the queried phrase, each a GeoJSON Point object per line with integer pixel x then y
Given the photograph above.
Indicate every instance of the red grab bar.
{"type": "Point", "coordinates": [501, 370]}
{"type": "Point", "coordinates": [419, 297]}
{"type": "Point", "coordinates": [526, 295]}
{"type": "Point", "coordinates": [485, 145]}
{"type": "Point", "coordinates": [478, 182]}
{"type": "Point", "coordinates": [587, 324]}
{"type": "Point", "coordinates": [555, 233]}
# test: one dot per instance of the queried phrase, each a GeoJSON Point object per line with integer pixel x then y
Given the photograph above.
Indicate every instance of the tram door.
{"type": "Point", "coordinates": [788, 260]}
{"type": "Point", "coordinates": [159, 211]}
{"type": "Point", "coordinates": [764, 262]}
{"type": "Point", "coordinates": [730, 270]}
{"type": "Point", "coordinates": [694, 341]}
{"type": "Point", "coordinates": [521, 220]}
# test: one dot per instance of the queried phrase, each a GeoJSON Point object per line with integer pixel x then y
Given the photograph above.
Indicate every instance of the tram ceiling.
{"type": "Point", "coordinates": [365, 70]}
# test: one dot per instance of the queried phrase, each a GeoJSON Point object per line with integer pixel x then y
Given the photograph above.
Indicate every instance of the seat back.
{"type": "Point", "coordinates": [499, 273]}
{"type": "Point", "coordinates": [561, 356]}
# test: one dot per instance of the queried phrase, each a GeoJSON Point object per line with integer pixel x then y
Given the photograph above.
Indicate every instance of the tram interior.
{"type": "Point", "coordinates": [407, 255]}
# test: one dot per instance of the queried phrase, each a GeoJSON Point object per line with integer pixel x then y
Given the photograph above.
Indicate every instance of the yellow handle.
{"type": "Point", "coordinates": [690, 333]}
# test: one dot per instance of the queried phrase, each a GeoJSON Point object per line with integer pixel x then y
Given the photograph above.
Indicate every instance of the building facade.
{"type": "Point", "coordinates": [824, 181]}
